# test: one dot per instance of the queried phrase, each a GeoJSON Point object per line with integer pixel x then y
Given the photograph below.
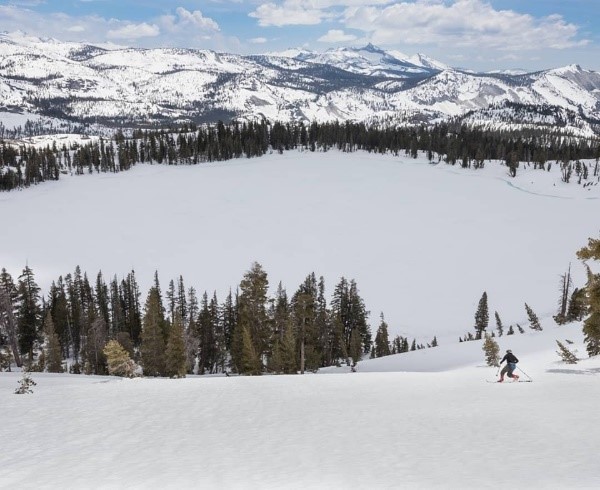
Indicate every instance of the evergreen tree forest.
{"type": "Point", "coordinates": [100, 326]}
{"type": "Point", "coordinates": [22, 166]}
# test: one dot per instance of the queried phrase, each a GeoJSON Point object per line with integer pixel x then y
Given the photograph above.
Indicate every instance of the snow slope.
{"type": "Point", "coordinates": [366, 430]}
{"type": "Point", "coordinates": [422, 241]}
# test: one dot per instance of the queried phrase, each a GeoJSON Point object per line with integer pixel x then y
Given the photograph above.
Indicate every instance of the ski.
{"type": "Point", "coordinates": [510, 382]}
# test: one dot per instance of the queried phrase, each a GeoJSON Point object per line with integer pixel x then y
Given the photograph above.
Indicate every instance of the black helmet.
{"type": "Point", "coordinates": [509, 351]}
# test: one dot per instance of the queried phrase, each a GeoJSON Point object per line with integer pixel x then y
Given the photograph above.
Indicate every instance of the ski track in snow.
{"type": "Point", "coordinates": [542, 194]}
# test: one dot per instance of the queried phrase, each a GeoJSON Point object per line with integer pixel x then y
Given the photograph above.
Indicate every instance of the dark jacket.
{"type": "Point", "coordinates": [509, 357]}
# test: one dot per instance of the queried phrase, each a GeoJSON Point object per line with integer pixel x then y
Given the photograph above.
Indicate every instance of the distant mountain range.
{"type": "Point", "coordinates": [85, 83]}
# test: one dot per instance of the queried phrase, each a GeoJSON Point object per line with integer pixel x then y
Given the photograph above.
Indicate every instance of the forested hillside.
{"type": "Point", "coordinates": [23, 164]}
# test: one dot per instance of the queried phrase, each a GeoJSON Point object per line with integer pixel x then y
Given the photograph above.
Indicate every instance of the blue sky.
{"type": "Point", "coordinates": [476, 34]}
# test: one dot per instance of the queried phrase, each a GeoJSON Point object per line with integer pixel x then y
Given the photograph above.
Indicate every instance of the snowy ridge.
{"type": "Point", "coordinates": [512, 116]}
{"type": "Point", "coordinates": [125, 86]}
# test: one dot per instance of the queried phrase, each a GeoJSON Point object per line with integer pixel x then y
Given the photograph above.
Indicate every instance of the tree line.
{"type": "Point", "coordinates": [178, 332]}
{"type": "Point", "coordinates": [96, 326]}
{"type": "Point", "coordinates": [452, 143]}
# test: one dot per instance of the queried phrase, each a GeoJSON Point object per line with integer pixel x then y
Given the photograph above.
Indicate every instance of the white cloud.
{"type": "Point", "coordinates": [336, 36]}
{"type": "Point", "coordinates": [134, 31]}
{"type": "Point", "coordinates": [290, 12]}
{"type": "Point", "coordinates": [457, 23]}
{"type": "Point", "coordinates": [182, 29]}
{"type": "Point", "coordinates": [305, 12]}
{"type": "Point", "coordinates": [184, 19]}
{"type": "Point", "coordinates": [258, 40]}
{"type": "Point", "coordinates": [462, 23]}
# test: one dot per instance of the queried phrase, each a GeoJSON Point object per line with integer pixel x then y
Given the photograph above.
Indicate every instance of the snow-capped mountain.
{"type": "Point", "coordinates": [370, 60]}
{"type": "Point", "coordinates": [112, 85]}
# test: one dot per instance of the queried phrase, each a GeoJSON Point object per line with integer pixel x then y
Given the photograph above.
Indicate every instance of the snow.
{"type": "Point", "coordinates": [422, 241]}
{"type": "Point", "coordinates": [375, 430]}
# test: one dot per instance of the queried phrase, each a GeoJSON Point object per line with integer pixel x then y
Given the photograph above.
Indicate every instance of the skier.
{"type": "Point", "coordinates": [511, 364]}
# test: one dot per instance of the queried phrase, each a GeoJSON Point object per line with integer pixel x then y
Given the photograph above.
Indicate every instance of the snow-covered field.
{"type": "Point", "coordinates": [366, 430]}
{"type": "Point", "coordinates": [422, 241]}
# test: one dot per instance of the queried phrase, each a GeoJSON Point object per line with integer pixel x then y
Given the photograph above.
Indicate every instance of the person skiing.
{"type": "Point", "coordinates": [511, 364]}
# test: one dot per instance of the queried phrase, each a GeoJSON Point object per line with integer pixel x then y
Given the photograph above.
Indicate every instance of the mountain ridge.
{"type": "Point", "coordinates": [116, 86]}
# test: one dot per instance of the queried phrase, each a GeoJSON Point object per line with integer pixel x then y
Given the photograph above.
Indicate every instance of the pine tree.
{"type": "Point", "coordinates": [153, 340]}
{"type": "Point", "coordinates": [481, 316]}
{"type": "Point", "coordinates": [382, 345]}
{"type": "Point", "coordinates": [73, 290]}
{"type": "Point", "coordinates": [323, 326]}
{"type": "Point", "coordinates": [60, 315]}
{"type": "Point", "coordinates": [176, 361]}
{"type": "Point", "coordinates": [280, 312]}
{"type": "Point", "coordinates": [181, 303]}
{"type": "Point", "coordinates": [130, 293]}
{"type": "Point", "coordinates": [304, 318]}
{"type": "Point", "coordinates": [252, 320]}
{"type": "Point", "coordinates": [577, 306]}
{"type": "Point", "coordinates": [591, 325]}
{"type": "Point", "coordinates": [52, 352]}
{"type": "Point", "coordinates": [249, 362]}
{"type": "Point", "coordinates": [93, 342]}
{"type": "Point", "coordinates": [565, 354]}
{"type": "Point", "coordinates": [289, 358]}
{"type": "Point", "coordinates": [29, 312]}
{"type": "Point", "coordinates": [191, 338]}
{"type": "Point", "coordinates": [565, 285]}
{"type": "Point", "coordinates": [229, 315]}
{"type": "Point", "coordinates": [8, 319]}
{"type": "Point", "coordinates": [102, 299]}
{"type": "Point", "coordinates": [499, 326]}
{"type": "Point", "coordinates": [171, 299]}
{"type": "Point", "coordinates": [534, 322]}
{"type": "Point", "coordinates": [355, 348]}
{"type": "Point", "coordinates": [492, 350]}
{"type": "Point", "coordinates": [348, 314]}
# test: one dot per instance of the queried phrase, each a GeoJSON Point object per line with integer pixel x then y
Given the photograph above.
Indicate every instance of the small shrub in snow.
{"type": "Point", "coordinates": [25, 384]}
{"type": "Point", "coordinates": [119, 362]}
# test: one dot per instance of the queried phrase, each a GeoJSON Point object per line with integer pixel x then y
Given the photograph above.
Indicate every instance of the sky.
{"type": "Point", "coordinates": [474, 34]}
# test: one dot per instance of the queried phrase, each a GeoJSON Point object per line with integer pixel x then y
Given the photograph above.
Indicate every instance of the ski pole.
{"type": "Point", "coordinates": [524, 373]}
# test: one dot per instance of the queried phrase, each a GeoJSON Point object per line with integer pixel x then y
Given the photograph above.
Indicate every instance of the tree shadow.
{"type": "Point", "coordinates": [589, 372]}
